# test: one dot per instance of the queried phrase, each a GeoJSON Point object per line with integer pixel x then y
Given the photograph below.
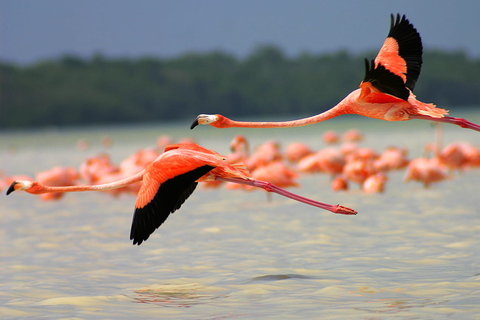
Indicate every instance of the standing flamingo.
{"type": "Point", "coordinates": [426, 171]}
{"type": "Point", "coordinates": [169, 180]}
{"type": "Point", "coordinates": [385, 92]}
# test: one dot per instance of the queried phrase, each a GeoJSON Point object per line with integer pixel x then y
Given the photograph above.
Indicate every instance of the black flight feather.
{"type": "Point", "coordinates": [409, 47]}
{"type": "Point", "coordinates": [385, 80]}
{"type": "Point", "coordinates": [170, 196]}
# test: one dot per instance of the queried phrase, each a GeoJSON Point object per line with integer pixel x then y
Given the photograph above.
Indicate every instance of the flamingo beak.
{"type": "Point", "coordinates": [12, 187]}
{"type": "Point", "coordinates": [194, 124]}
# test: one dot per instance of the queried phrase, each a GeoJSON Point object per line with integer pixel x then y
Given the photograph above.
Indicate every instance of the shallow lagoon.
{"type": "Point", "coordinates": [410, 253]}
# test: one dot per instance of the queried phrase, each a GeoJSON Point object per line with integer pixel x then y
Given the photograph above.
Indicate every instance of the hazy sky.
{"type": "Point", "coordinates": [35, 29]}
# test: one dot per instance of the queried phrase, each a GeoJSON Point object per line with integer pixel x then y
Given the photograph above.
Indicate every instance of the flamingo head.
{"type": "Point", "coordinates": [237, 142]}
{"type": "Point", "coordinates": [19, 185]}
{"type": "Point", "coordinates": [205, 119]}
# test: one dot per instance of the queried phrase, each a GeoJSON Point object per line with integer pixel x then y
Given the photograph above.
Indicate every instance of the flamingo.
{"type": "Point", "coordinates": [278, 173]}
{"type": "Point", "coordinates": [426, 171]}
{"type": "Point", "coordinates": [375, 183]}
{"type": "Point", "coordinates": [240, 150]}
{"type": "Point", "coordinates": [392, 158]}
{"type": "Point", "coordinates": [352, 135]}
{"type": "Point", "coordinates": [330, 137]}
{"type": "Point", "coordinates": [385, 92]}
{"type": "Point", "coordinates": [295, 151]}
{"type": "Point", "coordinates": [169, 180]}
{"type": "Point", "coordinates": [267, 152]}
{"type": "Point", "coordinates": [339, 183]}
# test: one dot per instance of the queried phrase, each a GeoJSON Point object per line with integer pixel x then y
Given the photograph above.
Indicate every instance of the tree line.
{"type": "Point", "coordinates": [72, 90]}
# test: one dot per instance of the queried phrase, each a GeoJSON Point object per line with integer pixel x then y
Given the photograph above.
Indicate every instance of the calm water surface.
{"type": "Point", "coordinates": [410, 253]}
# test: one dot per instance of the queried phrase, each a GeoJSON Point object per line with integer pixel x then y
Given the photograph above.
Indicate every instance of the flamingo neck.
{"type": "Point", "coordinates": [38, 188]}
{"type": "Point", "coordinates": [244, 150]}
{"type": "Point", "coordinates": [339, 109]}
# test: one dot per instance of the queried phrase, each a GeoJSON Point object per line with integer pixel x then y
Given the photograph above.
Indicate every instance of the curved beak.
{"type": "Point", "coordinates": [11, 188]}
{"type": "Point", "coordinates": [194, 124]}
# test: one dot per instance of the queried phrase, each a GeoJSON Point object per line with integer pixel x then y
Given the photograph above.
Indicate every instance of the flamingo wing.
{"type": "Point", "coordinates": [157, 199]}
{"type": "Point", "coordinates": [402, 51]}
{"type": "Point", "coordinates": [380, 85]}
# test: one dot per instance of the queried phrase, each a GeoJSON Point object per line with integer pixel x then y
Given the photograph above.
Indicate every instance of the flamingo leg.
{"type": "Point", "coordinates": [267, 186]}
{"type": "Point", "coordinates": [452, 120]}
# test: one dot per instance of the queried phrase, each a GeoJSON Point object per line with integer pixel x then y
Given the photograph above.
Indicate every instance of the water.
{"type": "Point", "coordinates": [410, 253]}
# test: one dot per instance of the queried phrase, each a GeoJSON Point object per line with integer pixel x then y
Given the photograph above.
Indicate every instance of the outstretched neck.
{"type": "Point", "coordinates": [38, 188]}
{"type": "Point", "coordinates": [339, 109]}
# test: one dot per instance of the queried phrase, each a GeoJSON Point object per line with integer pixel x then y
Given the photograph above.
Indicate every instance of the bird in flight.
{"type": "Point", "coordinates": [386, 92]}
{"type": "Point", "coordinates": [169, 180]}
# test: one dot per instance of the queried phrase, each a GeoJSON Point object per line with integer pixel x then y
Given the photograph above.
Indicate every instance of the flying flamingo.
{"type": "Point", "coordinates": [169, 180]}
{"type": "Point", "coordinates": [385, 92]}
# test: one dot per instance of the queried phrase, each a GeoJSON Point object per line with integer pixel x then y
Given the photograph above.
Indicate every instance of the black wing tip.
{"type": "Point", "coordinates": [397, 19]}
{"type": "Point", "coordinates": [137, 233]}
{"type": "Point", "coordinates": [402, 30]}
{"type": "Point", "coordinates": [410, 46]}
{"type": "Point", "coordinates": [400, 22]}
{"type": "Point", "coordinates": [138, 240]}
{"type": "Point", "coordinates": [140, 232]}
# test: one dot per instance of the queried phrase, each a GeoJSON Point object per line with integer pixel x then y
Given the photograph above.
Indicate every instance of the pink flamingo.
{"type": "Point", "coordinates": [375, 183]}
{"type": "Point", "coordinates": [296, 151]}
{"type": "Point", "coordinates": [391, 158]}
{"type": "Point", "coordinates": [385, 92]}
{"type": "Point", "coordinates": [277, 173]}
{"type": "Point", "coordinates": [330, 161]}
{"type": "Point", "coordinates": [240, 150]}
{"type": "Point", "coordinates": [340, 183]}
{"type": "Point", "coordinates": [93, 168]}
{"type": "Point", "coordinates": [330, 137]}
{"type": "Point", "coordinates": [267, 152]}
{"type": "Point", "coordinates": [426, 171]}
{"type": "Point", "coordinates": [352, 135]}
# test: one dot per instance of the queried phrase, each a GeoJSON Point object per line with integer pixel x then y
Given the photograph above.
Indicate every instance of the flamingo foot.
{"type": "Point", "coordinates": [344, 210]}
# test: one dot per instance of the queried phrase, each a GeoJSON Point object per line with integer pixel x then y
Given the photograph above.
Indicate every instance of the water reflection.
{"type": "Point", "coordinates": [177, 295]}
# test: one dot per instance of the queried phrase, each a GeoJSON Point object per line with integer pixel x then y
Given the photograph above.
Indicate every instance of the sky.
{"type": "Point", "coordinates": [32, 30]}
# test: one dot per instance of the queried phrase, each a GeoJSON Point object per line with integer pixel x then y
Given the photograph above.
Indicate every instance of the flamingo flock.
{"type": "Point", "coordinates": [163, 177]}
{"type": "Point", "coordinates": [343, 159]}
{"type": "Point", "coordinates": [348, 163]}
